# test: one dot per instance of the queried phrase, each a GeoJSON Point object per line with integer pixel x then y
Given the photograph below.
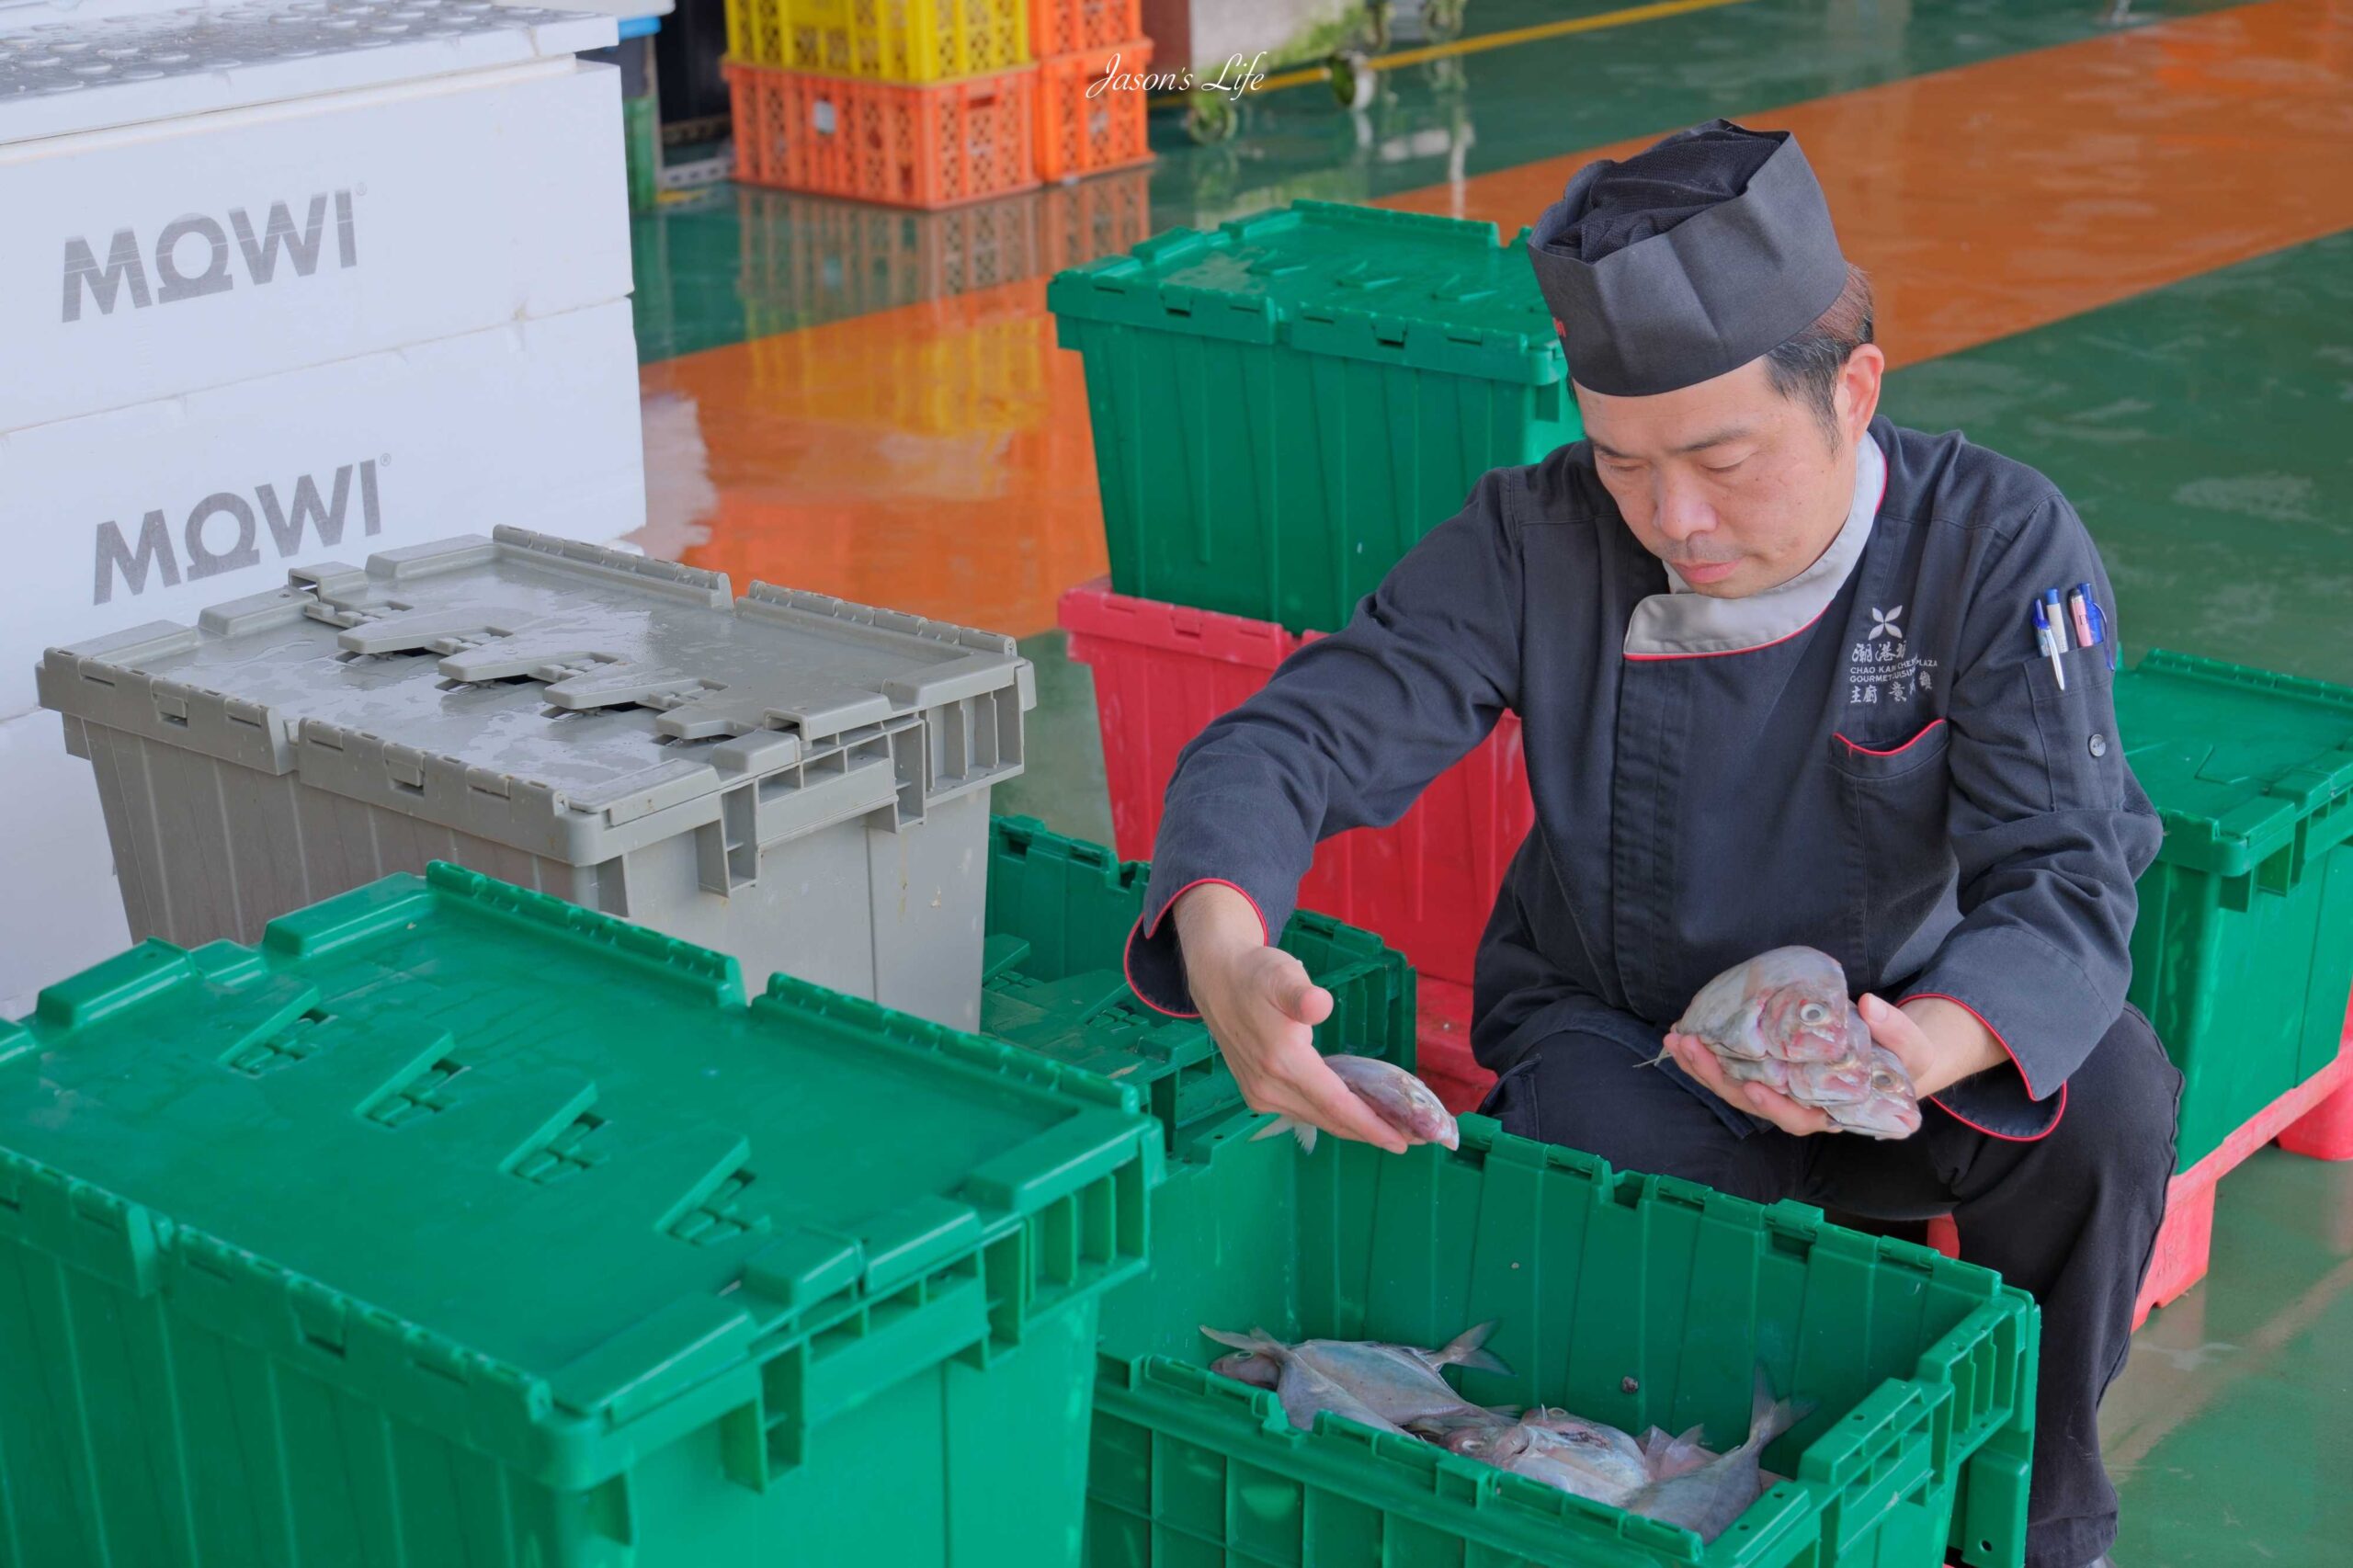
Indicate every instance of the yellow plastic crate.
{"type": "Point", "coordinates": [887, 41]}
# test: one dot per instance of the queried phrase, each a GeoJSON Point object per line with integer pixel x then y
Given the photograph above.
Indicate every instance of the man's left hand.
{"type": "Point", "coordinates": [1938, 1043]}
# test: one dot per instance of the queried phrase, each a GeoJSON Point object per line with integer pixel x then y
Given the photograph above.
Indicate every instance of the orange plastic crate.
{"type": "Point", "coordinates": [1086, 123]}
{"type": "Point", "coordinates": [1066, 26]}
{"type": "Point", "coordinates": [935, 146]}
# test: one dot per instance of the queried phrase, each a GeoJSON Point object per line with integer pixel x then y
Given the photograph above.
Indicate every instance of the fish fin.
{"type": "Point", "coordinates": [1463, 1350]}
{"type": "Point", "coordinates": [1306, 1136]}
{"type": "Point", "coordinates": [1281, 1124]}
{"type": "Point", "coordinates": [1252, 1341]}
{"type": "Point", "coordinates": [1769, 1417]}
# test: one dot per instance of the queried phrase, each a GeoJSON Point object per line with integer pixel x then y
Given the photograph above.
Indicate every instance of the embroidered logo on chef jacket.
{"type": "Point", "coordinates": [1880, 668]}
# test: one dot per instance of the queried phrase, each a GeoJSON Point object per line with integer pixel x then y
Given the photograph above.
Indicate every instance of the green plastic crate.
{"type": "Point", "coordinates": [455, 1224]}
{"type": "Point", "coordinates": [1059, 910]}
{"type": "Point", "coordinates": [1630, 1299]}
{"type": "Point", "coordinates": [1059, 914]}
{"type": "Point", "coordinates": [2242, 955]}
{"type": "Point", "coordinates": [1284, 407]}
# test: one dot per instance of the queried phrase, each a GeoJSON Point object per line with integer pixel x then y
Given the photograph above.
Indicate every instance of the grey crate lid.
{"type": "Point", "coordinates": [72, 71]}
{"type": "Point", "coordinates": [562, 679]}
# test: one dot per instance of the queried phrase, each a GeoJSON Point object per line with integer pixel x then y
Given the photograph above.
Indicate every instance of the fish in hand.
{"type": "Point", "coordinates": [1397, 1096]}
{"type": "Point", "coordinates": [1783, 1019]}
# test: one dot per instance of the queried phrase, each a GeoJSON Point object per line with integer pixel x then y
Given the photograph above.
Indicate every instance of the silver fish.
{"type": "Point", "coordinates": [1580, 1456]}
{"type": "Point", "coordinates": [1384, 1386]}
{"type": "Point", "coordinates": [1397, 1096]}
{"type": "Point", "coordinates": [1710, 1498]}
{"type": "Point", "coordinates": [1783, 1018]}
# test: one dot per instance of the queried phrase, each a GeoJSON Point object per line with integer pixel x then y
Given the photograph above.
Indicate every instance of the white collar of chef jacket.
{"type": "Point", "coordinates": [1682, 624]}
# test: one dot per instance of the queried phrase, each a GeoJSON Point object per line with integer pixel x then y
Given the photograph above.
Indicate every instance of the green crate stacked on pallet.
{"type": "Point", "coordinates": [1283, 407]}
{"type": "Point", "coordinates": [454, 1223]}
{"type": "Point", "coordinates": [1059, 913]}
{"type": "Point", "coordinates": [2242, 955]}
{"type": "Point", "coordinates": [1628, 1298]}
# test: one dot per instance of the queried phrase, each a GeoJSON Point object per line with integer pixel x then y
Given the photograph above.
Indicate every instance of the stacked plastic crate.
{"type": "Point", "coordinates": [1092, 58]}
{"type": "Point", "coordinates": [280, 282]}
{"type": "Point", "coordinates": [912, 103]}
{"type": "Point", "coordinates": [2243, 953]}
{"type": "Point", "coordinates": [1281, 408]}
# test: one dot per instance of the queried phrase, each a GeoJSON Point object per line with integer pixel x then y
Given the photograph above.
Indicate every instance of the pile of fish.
{"type": "Point", "coordinates": [1783, 1019]}
{"type": "Point", "coordinates": [1395, 1096]}
{"type": "Point", "coordinates": [1397, 1387]}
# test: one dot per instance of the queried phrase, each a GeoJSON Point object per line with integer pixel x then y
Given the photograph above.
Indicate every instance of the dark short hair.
{"type": "Point", "coordinates": [1807, 367]}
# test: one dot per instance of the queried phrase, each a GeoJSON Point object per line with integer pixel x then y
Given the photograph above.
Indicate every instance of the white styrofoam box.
{"type": "Point", "coordinates": [59, 77]}
{"type": "Point", "coordinates": [64, 911]}
{"type": "Point", "coordinates": [205, 251]}
{"type": "Point", "coordinates": [15, 15]}
{"type": "Point", "coordinates": [153, 512]}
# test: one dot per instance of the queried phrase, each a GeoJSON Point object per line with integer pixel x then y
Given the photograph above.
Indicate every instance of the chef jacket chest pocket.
{"type": "Point", "coordinates": [1894, 799]}
{"type": "Point", "coordinates": [2078, 726]}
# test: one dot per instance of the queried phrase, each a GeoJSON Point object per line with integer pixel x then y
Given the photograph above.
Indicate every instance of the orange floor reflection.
{"type": "Point", "coordinates": [1991, 198]}
{"type": "Point", "coordinates": [936, 456]}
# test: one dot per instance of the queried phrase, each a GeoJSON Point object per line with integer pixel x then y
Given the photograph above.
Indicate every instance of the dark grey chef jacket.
{"type": "Point", "coordinates": [1872, 759]}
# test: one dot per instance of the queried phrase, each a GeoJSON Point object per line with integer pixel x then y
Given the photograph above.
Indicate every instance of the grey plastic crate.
{"type": "Point", "coordinates": [795, 780]}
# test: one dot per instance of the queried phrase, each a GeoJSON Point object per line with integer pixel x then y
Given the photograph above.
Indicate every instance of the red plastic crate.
{"type": "Point", "coordinates": [1442, 1047]}
{"type": "Point", "coordinates": [1425, 885]}
{"type": "Point", "coordinates": [935, 146]}
{"type": "Point", "coordinates": [2315, 1118]}
{"type": "Point", "coordinates": [1064, 27]}
{"type": "Point", "coordinates": [1089, 120]}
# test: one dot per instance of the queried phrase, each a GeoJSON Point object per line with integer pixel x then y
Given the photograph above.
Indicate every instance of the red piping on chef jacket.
{"type": "Point", "coordinates": [1897, 751]}
{"type": "Point", "coordinates": [2024, 1076]}
{"type": "Point", "coordinates": [1760, 647]}
{"type": "Point", "coordinates": [1140, 930]}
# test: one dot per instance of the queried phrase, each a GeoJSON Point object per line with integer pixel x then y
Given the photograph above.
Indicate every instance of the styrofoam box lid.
{"type": "Point", "coordinates": [92, 71]}
{"type": "Point", "coordinates": [570, 679]}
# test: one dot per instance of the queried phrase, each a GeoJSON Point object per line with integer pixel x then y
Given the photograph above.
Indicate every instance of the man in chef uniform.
{"type": "Point", "coordinates": [1777, 671]}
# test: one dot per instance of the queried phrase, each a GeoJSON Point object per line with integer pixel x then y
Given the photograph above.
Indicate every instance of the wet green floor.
{"type": "Point", "coordinates": [2205, 432]}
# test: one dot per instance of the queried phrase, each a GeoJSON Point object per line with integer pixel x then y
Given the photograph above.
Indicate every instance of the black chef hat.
{"type": "Point", "coordinates": [1687, 260]}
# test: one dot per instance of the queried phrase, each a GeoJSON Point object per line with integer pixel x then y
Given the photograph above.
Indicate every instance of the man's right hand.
{"type": "Point", "coordinates": [1261, 1008]}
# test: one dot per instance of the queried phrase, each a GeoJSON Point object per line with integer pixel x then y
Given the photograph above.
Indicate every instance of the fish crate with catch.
{"type": "Point", "coordinates": [884, 40]}
{"type": "Point", "coordinates": [1626, 1298]}
{"type": "Point", "coordinates": [455, 1223]}
{"type": "Point", "coordinates": [1284, 407]}
{"type": "Point", "coordinates": [1427, 883]}
{"type": "Point", "coordinates": [797, 781]}
{"type": "Point", "coordinates": [932, 146]}
{"type": "Point", "coordinates": [1060, 911]}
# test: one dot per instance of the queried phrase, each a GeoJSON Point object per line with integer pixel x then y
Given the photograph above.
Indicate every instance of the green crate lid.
{"type": "Point", "coordinates": [542, 1181]}
{"type": "Point", "coordinates": [2240, 762]}
{"type": "Point", "coordinates": [1059, 914]}
{"type": "Point", "coordinates": [1409, 289]}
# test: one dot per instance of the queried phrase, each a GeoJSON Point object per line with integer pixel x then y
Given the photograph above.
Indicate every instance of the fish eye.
{"type": "Point", "coordinates": [1813, 1013]}
{"type": "Point", "coordinates": [1883, 1080]}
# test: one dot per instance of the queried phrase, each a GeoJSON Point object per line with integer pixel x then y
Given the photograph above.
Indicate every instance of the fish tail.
{"type": "Point", "coordinates": [1463, 1350]}
{"type": "Point", "coordinates": [1769, 1417]}
{"type": "Point", "coordinates": [1282, 1124]}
